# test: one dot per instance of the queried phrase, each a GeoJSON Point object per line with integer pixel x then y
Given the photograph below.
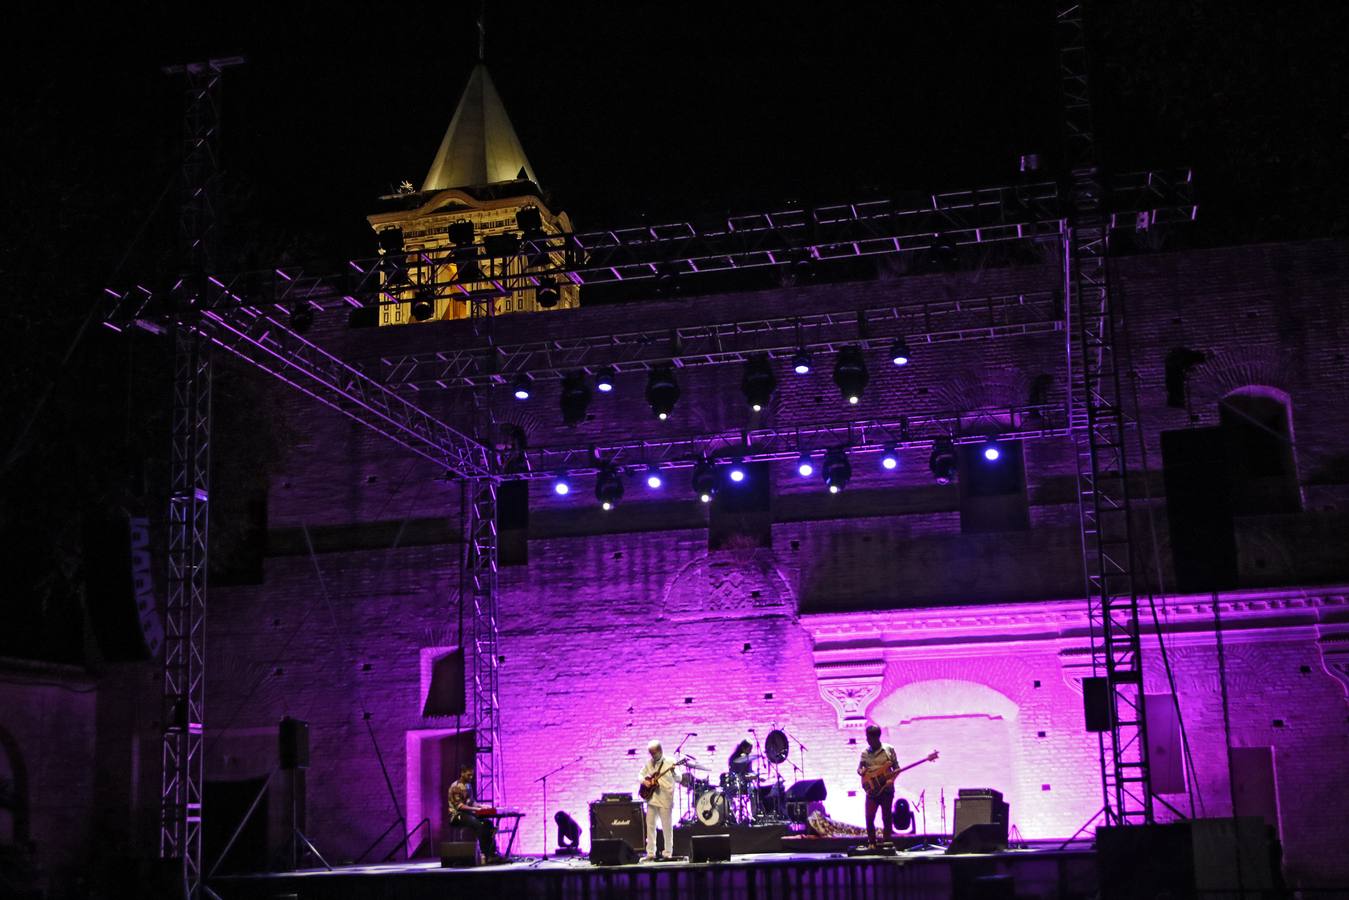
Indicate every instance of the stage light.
{"type": "Point", "coordinates": [889, 459]}
{"type": "Point", "coordinates": [736, 472]}
{"type": "Point", "coordinates": [424, 304]}
{"type": "Point", "coordinates": [568, 834]}
{"type": "Point", "coordinates": [530, 221]}
{"type": "Point", "coordinates": [561, 486]}
{"type": "Point", "coordinates": [943, 461]}
{"type": "Point", "coordinates": [837, 471]}
{"type": "Point", "coordinates": [804, 467]}
{"type": "Point", "coordinates": [521, 387]}
{"type": "Point", "coordinates": [662, 391]}
{"type": "Point", "coordinates": [992, 452]}
{"type": "Point", "coordinates": [547, 294]}
{"type": "Point", "coordinates": [608, 487]}
{"type": "Point", "coordinates": [758, 383]}
{"type": "Point", "coordinates": [501, 245]}
{"type": "Point", "coordinates": [850, 373]}
{"type": "Point", "coordinates": [899, 352]}
{"type": "Point", "coordinates": [653, 477]}
{"type": "Point", "coordinates": [301, 318]}
{"type": "Point", "coordinates": [390, 240]}
{"type": "Point", "coordinates": [705, 480]}
{"type": "Point", "coordinates": [604, 379]}
{"type": "Point", "coordinates": [801, 362]}
{"type": "Point", "coordinates": [575, 399]}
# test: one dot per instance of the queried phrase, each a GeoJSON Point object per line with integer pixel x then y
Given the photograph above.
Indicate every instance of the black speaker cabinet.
{"type": "Point", "coordinates": [710, 848]}
{"type": "Point", "coordinates": [293, 739]}
{"type": "Point", "coordinates": [621, 821]}
{"type": "Point", "coordinates": [1096, 704]}
{"type": "Point", "coordinates": [611, 852]}
{"type": "Point", "coordinates": [988, 837]}
{"type": "Point", "coordinates": [981, 808]}
{"type": "Point", "coordinates": [458, 854]}
{"type": "Point", "coordinates": [812, 790]}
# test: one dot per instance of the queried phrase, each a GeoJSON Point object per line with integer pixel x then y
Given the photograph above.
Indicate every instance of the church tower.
{"type": "Point", "coordinates": [475, 213]}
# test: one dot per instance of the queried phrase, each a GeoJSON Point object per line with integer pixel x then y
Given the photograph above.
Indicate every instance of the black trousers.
{"type": "Point", "coordinates": [485, 831]}
{"type": "Point", "coordinates": [885, 803]}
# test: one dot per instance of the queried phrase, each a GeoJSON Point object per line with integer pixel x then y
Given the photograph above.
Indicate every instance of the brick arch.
{"type": "Point", "coordinates": [1248, 369]}
{"type": "Point", "coordinates": [13, 790]}
{"type": "Point", "coordinates": [943, 698]}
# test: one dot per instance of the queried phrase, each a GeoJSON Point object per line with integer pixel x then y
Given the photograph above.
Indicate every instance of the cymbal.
{"type": "Point", "coordinates": [747, 758]}
{"type": "Point", "coordinates": [697, 768]}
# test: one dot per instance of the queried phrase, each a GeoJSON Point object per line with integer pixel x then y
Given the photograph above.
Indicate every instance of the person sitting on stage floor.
{"type": "Point", "coordinates": [878, 759]}
{"type": "Point", "coordinates": [659, 773]}
{"type": "Point", "coordinates": [464, 814]}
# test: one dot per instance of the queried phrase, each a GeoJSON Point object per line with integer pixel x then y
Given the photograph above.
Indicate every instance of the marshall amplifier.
{"type": "Point", "coordinates": [622, 821]}
{"type": "Point", "coordinates": [984, 810]}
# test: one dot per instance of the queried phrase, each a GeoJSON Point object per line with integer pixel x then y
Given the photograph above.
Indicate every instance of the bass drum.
{"type": "Point", "coordinates": [711, 808]}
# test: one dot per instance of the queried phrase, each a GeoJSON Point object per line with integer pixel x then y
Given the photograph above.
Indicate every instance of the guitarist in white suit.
{"type": "Point", "coordinates": [658, 777]}
{"type": "Point", "coordinates": [878, 760]}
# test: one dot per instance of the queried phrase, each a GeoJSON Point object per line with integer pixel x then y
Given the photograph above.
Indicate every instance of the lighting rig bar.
{"type": "Point", "coordinates": [792, 236]}
{"type": "Point", "coordinates": [1036, 312]}
{"type": "Point", "coordinates": [265, 342]}
{"type": "Point", "coordinates": [787, 443]}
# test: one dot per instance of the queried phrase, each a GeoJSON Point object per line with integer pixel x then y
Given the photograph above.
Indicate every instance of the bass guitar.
{"type": "Point", "coordinates": [648, 785]}
{"type": "Point", "coordinates": [877, 781]}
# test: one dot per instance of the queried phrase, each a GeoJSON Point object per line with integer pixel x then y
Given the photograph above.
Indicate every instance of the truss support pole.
{"type": "Point", "coordinates": [184, 683]}
{"type": "Point", "coordinates": [1097, 409]}
{"type": "Point", "coordinates": [482, 562]}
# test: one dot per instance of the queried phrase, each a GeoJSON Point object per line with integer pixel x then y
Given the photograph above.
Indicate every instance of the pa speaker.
{"type": "Point", "coordinates": [1096, 703]}
{"type": "Point", "coordinates": [710, 848]}
{"type": "Point", "coordinates": [294, 743]}
{"type": "Point", "coordinates": [611, 852]}
{"type": "Point", "coordinates": [1199, 509]}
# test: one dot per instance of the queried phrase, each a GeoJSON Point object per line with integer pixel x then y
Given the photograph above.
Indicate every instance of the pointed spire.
{"type": "Point", "coordinates": [480, 146]}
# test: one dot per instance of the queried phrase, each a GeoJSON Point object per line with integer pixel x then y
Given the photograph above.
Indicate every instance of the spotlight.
{"type": "Point", "coordinates": [759, 383]}
{"type": "Point", "coordinates": [662, 391]}
{"type": "Point", "coordinates": [521, 387]}
{"type": "Point", "coordinates": [705, 480]}
{"type": "Point", "coordinates": [801, 362]}
{"type": "Point", "coordinates": [850, 373]}
{"type": "Point", "coordinates": [530, 221]}
{"type": "Point", "coordinates": [461, 233]}
{"type": "Point", "coordinates": [568, 834]}
{"type": "Point", "coordinates": [608, 487]}
{"type": "Point", "coordinates": [899, 352]}
{"type": "Point", "coordinates": [562, 487]}
{"type": "Point", "coordinates": [804, 467]}
{"type": "Point", "coordinates": [736, 472]}
{"type": "Point", "coordinates": [889, 460]}
{"type": "Point", "coordinates": [301, 318]}
{"type": "Point", "coordinates": [390, 240]}
{"type": "Point", "coordinates": [943, 461]}
{"type": "Point", "coordinates": [992, 452]}
{"type": "Point", "coordinates": [547, 294]}
{"type": "Point", "coordinates": [604, 379]}
{"type": "Point", "coordinates": [836, 470]}
{"type": "Point", "coordinates": [423, 304]}
{"type": "Point", "coordinates": [575, 398]}
{"type": "Point", "coordinates": [653, 477]}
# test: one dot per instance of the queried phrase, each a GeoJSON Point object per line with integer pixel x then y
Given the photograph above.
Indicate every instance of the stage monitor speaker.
{"type": "Point", "coordinates": [611, 852]}
{"type": "Point", "coordinates": [986, 837]}
{"type": "Point", "coordinates": [810, 791]}
{"type": "Point", "coordinates": [621, 821]}
{"type": "Point", "coordinates": [458, 854]}
{"type": "Point", "coordinates": [976, 808]}
{"type": "Point", "coordinates": [710, 848]}
{"type": "Point", "coordinates": [293, 740]}
{"type": "Point", "coordinates": [1096, 704]}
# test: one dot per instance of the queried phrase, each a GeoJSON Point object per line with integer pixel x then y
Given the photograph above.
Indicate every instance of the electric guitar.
{"type": "Point", "coordinates": [648, 785]}
{"type": "Point", "coordinates": [877, 781]}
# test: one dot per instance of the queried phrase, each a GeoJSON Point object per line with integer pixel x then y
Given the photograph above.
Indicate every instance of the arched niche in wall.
{"type": "Point", "coordinates": [973, 727]}
{"type": "Point", "coordinates": [1257, 430]}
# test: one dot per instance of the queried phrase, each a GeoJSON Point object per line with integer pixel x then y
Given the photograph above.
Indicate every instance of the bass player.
{"type": "Point", "coordinates": [879, 761]}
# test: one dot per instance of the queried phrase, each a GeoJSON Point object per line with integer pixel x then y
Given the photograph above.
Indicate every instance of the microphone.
{"type": "Point", "coordinates": [752, 731]}
{"type": "Point", "coordinates": [691, 734]}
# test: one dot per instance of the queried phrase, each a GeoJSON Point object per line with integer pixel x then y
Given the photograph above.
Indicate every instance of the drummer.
{"type": "Point", "coordinates": [742, 757]}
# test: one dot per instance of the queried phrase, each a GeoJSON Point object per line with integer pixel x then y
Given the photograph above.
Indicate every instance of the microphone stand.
{"type": "Point", "coordinates": [683, 795]}
{"type": "Point", "coordinates": [922, 806]}
{"type": "Point", "coordinates": [543, 779]}
{"type": "Point", "coordinates": [801, 770]}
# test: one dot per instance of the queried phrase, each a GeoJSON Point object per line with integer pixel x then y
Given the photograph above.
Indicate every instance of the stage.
{"type": "Point", "coordinates": [912, 875]}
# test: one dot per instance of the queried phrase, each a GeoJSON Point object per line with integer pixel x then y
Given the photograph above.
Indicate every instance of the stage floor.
{"type": "Point", "coordinates": [912, 875]}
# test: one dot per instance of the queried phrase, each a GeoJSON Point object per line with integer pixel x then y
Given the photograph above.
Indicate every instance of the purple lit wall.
{"type": "Point", "coordinates": [872, 605]}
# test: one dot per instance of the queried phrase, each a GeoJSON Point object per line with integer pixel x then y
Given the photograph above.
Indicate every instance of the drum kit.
{"type": "Point", "coordinates": [750, 792]}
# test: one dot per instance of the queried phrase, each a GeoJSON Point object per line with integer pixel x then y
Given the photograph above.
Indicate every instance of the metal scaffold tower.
{"type": "Point", "coordinates": [1096, 410]}
{"type": "Point", "coordinates": [184, 685]}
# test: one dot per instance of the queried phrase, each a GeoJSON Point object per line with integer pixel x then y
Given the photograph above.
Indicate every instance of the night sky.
{"type": "Point", "coordinates": [626, 110]}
